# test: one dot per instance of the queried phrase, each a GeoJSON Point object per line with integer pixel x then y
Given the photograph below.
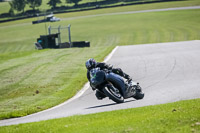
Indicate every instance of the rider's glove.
{"type": "Point", "coordinates": [110, 67]}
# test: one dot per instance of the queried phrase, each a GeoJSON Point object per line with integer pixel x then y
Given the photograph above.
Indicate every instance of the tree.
{"type": "Point", "coordinates": [11, 12]}
{"type": "Point", "coordinates": [73, 1]}
{"type": "Point", "coordinates": [18, 5]}
{"type": "Point", "coordinates": [34, 3]}
{"type": "Point", "coordinates": [53, 3]}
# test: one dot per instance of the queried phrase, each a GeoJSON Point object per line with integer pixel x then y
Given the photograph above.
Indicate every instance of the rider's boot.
{"type": "Point", "coordinates": [99, 95]}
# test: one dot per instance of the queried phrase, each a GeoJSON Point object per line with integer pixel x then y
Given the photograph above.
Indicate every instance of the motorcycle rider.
{"type": "Point", "coordinates": [91, 63]}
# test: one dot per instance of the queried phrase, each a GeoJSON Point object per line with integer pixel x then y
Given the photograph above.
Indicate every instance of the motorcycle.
{"type": "Point", "coordinates": [113, 86]}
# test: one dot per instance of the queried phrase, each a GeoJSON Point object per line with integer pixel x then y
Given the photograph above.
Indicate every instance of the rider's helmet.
{"type": "Point", "coordinates": [91, 63]}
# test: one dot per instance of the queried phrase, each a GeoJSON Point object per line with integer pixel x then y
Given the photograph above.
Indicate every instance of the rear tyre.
{"type": "Point", "coordinates": [113, 93]}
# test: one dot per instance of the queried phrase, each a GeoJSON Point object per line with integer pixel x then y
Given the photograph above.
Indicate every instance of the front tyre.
{"type": "Point", "coordinates": [113, 93]}
{"type": "Point", "coordinates": [139, 94]}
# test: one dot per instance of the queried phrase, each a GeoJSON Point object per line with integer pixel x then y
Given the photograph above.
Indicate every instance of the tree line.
{"type": "Point", "coordinates": [19, 5]}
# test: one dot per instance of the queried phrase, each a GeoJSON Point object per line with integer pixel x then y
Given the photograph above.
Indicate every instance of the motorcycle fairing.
{"type": "Point", "coordinates": [97, 76]}
{"type": "Point", "coordinates": [117, 81]}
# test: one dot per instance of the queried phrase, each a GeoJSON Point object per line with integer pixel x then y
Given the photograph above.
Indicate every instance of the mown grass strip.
{"type": "Point", "coordinates": [178, 117]}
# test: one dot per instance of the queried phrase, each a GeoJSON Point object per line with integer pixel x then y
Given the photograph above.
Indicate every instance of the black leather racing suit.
{"type": "Point", "coordinates": [114, 70]}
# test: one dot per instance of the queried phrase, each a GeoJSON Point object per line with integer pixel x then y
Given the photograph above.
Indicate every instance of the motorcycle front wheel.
{"type": "Point", "coordinates": [139, 94]}
{"type": "Point", "coordinates": [113, 93]}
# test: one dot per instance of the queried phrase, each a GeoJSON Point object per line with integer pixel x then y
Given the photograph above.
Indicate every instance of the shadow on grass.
{"type": "Point", "coordinates": [105, 105]}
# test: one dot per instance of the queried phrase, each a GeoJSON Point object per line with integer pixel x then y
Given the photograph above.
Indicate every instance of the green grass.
{"type": "Point", "coordinates": [178, 117]}
{"type": "Point", "coordinates": [119, 29]}
{"type": "Point", "coordinates": [58, 74]}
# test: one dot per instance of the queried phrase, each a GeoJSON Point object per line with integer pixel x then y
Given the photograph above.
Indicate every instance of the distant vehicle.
{"type": "Point", "coordinates": [48, 18]}
{"type": "Point", "coordinates": [51, 18]}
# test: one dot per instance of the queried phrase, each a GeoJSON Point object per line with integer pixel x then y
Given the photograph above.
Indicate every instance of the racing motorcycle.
{"type": "Point", "coordinates": [113, 86]}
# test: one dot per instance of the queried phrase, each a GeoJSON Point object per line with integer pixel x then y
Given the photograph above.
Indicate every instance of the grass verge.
{"type": "Point", "coordinates": [178, 117]}
{"type": "Point", "coordinates": [43, 78]}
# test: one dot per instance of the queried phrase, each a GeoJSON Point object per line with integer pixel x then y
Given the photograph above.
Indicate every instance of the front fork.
{"type": "Point", "coordinates": [131, 89]}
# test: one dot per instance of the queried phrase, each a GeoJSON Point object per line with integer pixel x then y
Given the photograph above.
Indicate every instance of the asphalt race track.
{"type": "Point", "coordinates": [168, 72]}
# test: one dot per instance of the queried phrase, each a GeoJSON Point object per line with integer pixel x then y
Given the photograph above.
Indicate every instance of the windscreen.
{"type": "Point", "coordinates": [93, 73]}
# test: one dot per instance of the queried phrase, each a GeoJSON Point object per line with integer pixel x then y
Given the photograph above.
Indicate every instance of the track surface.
{"type": "Point", "coordinates": [168, 72]}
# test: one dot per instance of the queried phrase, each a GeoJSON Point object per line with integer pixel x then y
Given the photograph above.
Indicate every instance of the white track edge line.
{"type": "Point", "coordinates": [111, 54]}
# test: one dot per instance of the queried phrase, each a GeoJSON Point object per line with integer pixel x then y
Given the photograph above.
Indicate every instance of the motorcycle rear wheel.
{"type": "Point", "coordinates": [114, 95]}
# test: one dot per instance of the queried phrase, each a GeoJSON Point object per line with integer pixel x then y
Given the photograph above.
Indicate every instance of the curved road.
{"type": "Point", "coordinates": [168, 72]}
